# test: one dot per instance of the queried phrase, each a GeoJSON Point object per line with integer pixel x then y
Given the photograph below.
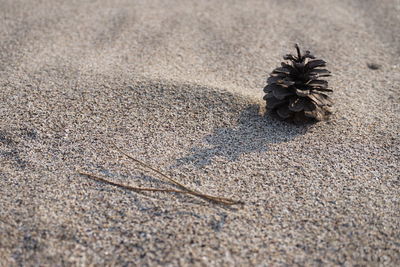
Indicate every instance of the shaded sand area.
{"type": "Point", "coordinates": [178, 85]}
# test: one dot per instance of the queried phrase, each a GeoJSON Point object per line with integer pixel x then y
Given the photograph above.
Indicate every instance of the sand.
{"type": "Point", "coordinates": [178, 85]}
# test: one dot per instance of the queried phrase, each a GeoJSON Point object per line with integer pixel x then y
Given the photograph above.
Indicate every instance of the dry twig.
{"type": "Point", "coordinates": [185, 190]}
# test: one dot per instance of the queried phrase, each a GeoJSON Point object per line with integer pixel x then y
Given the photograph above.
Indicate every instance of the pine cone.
{"type": "Point", "coordinates": [295, 92]}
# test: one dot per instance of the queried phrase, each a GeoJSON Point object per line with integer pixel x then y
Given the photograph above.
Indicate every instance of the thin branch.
{"type": "Point", "coordinates": [99, 179]}
{"type": "Point", "coordinates": [221, 200]}
{"type": "Point", "coordinates": [226, 201]}
{"type": "Point", "coordinates": [153, 169]}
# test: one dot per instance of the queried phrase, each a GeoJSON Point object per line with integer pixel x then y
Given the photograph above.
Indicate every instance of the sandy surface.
{"type": "Point", "coordinates": [179, 86]}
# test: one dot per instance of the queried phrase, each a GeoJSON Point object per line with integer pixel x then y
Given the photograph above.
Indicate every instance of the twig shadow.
{"type": "Point", "coordinates": [253, 133]}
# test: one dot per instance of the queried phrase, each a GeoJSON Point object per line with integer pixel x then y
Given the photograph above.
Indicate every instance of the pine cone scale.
{"type": "Point", "coordinates": [296, 104]}
{"type": "Point", "coordinates": [317, 99]}
{"type": "Point", "coordinates": [282, 92]}
{"type": "Point", "coordinates": [315, 63]}
{"type": "Point", "coordinates": [274, 102]}
{"type": "Point", "coordinates": [301, 92]}
{"type": "Point", "coordinates": [282, 70]}
{"type": "Point", "coordinates": [284, 112]}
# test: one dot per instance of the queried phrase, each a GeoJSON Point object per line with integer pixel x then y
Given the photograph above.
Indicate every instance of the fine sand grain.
{"type": "Point", "coordinates": [178, 85]}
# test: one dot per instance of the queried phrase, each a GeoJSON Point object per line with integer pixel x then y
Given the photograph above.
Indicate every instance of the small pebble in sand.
{"type": "Point", "coordinates": [373, 66]}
